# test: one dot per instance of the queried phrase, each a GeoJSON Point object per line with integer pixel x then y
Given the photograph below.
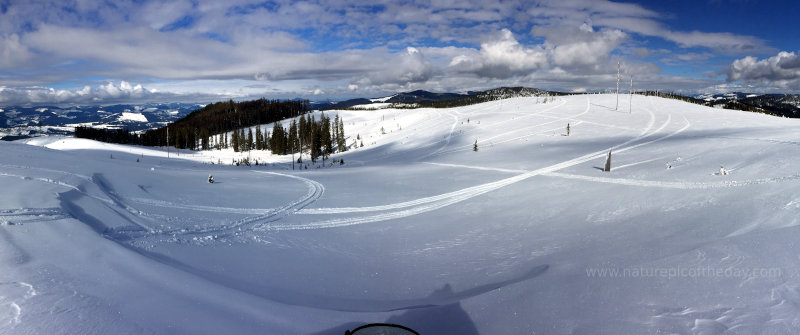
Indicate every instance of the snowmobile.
{"type": "Point", "coordinates": [381, 329]}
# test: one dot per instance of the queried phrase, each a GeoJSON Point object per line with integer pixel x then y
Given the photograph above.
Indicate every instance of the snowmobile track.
{"type": "Point", "coordinates": [427, 204]}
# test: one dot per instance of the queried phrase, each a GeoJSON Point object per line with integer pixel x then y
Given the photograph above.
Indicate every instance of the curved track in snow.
{"type": "Point", "coordinates": [427, 204]}
{"type": "Point", "coordinates": [314, 192]}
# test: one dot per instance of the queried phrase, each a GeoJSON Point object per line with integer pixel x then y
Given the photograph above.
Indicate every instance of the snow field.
{"type": "Point", "coordinates": [418, 229]}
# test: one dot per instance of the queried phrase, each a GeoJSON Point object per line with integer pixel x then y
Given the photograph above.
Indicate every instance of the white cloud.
{"type": "Point", "coordinates": [585, 49]}
{"type": "Point", "coordinates": [339, 46]}
{"type": "Point", "coordinates": [12, 52]}
{"type": "Point", "coordinates": [502, 57]}
{"type": "Point", "coordinates": [726, 42]}
{"type": "Point", "coordinates": [408, 66]}
{"type": "Point", "coordinates": [781, 70]}
{"type": "Point", "coordinates": [109, 93]}
{"type": "Point", "coordinates": [568, 49]}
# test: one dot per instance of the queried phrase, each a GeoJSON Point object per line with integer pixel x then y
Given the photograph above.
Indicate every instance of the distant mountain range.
{"type": "Point", "coordinates": [422, 98]}
{"type": "Point", "coordinates": [406, 97]}
{"type": "Point", "coordinates": [18, 122]}
{"type": "Point", "coordinates": [786, 105]}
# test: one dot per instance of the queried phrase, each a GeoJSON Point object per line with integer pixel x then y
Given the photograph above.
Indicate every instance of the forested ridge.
{"type": "Point", "coordinates": [195, 131]}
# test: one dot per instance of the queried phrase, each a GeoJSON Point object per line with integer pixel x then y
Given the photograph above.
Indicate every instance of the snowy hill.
{"type": "Point", "coordinates": [525, 235]}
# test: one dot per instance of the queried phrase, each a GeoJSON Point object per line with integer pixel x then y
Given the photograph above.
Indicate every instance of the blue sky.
{"type": "Point", "coordinates": [103, 52]}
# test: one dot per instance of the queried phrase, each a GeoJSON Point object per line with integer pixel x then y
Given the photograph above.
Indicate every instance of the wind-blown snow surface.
{"type": "Point", "coordinates": [526, 235]}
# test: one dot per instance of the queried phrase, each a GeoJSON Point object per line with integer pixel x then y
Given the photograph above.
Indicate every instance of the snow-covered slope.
{"type": "Point", "coordinates": [526, 235]}
{"type": "Point", "coordinates": [133, 116]}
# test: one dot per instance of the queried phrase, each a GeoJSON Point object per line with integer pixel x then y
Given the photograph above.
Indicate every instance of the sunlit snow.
{"type": "Point", "coordinates": [526, 235]}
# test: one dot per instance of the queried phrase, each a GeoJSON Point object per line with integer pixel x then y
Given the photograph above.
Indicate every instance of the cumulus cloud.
{"type": "Point", "coordinates": [339, 46]}
{"type": "Point", "coordinates": [408, 66]}
{"type": "Point", "coordinates": [12, 52]}
{"type": "Point", "coordinates": [580, 47]}
{"type": "Point", "coordinates": [781, 70]}
{"type": "Point", "coordinates": [109, 93]}
{"type": "Point", "coordinates": [502, 57]}
{"type": "Point", "coordinates": [570, 49]}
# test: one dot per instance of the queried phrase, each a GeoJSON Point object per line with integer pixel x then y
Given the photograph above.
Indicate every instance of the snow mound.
{"type": "Point", "coordinates": [377, 105]}
{"type": "Point", "coordinates": [384, 99]}
{"type": "Point", "coordinates": [132, 116]}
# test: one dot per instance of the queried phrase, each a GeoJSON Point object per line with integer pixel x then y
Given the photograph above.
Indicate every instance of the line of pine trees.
{"type": "Point", "coordinates": [319, 138]}
{"type": "Point", "coordinates": [121, 136]}
{"type": "Point", "coordinates": [305, 134]}
{"type": "Point", "coordinates": [196, 130]}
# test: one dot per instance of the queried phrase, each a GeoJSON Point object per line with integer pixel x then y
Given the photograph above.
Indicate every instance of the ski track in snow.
{"type": "Point", "coordinates": [314, 192]}
{"type": "Point", "coordinates": [426, 204]}
{"type": "Point", "coordinates": [13, 298]}
{"type": "Point", "coordinates": [448, 137]}
{"type": "Point", "coordinates": [527, 129]}
{"type": "Point", "coordinates": [40, 179]}
{"type": "Point", "coordinates": [637, 163]}
{"type": "Point", "coordinates": [141, 227]}
{"type": "Point", "coordinates": [12, 217]}
{"type": "Point", "coordinates": [213, 209]}
{"type": "Point", "coordinates": [270, 219]}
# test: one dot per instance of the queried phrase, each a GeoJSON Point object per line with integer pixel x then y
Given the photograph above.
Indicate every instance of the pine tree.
{"type": "Point", "coordinates": [316, 141]}
{"type": "Point", "coordinates": [327, 141]}
{"type": "Point", "coordinates": [342, 144]}
{"type": "Point", "coordinates": [309, 133]}
{"type": "Point", "coordinates": [293, 142]}
{"type": "Point", "coordinates": [259, 138]}
{"type": "Point", "coordinates": [250, 145]}
{"type": "Point", "coordinates": [235, 140]}
{"type": "Point", "coordinates": [335, 131]}
{"type": "Point", "coordinates": [301, 132]}
{"type": "Point", "coordinates": [204, 136]}
{"type": "Point", "coordinates": [277, 142]}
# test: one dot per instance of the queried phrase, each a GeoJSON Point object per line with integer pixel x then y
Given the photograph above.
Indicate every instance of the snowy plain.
{"type": "Point", "coordinates": [527, 235]}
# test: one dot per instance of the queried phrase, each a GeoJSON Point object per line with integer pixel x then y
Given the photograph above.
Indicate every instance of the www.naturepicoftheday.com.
{"type": "Point", "coordinates": [433, 167]}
